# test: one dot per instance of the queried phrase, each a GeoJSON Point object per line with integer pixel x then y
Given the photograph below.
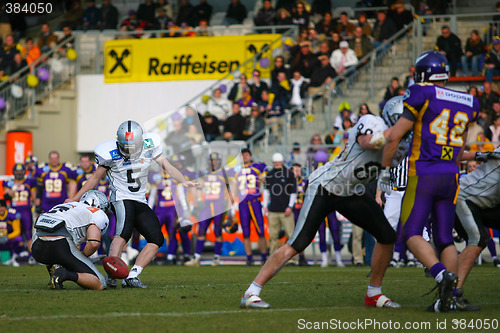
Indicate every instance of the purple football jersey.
{"type": "Point", "coordinates": [9, 222]}
{"type": "Point", "coordinates": [441, 117]}
{"type": "Point", "coordinates": [22, 192]}
{"type": "Point", "coordinates": [248, 180]}
{"type": "Point", "coordinates": [53, 182]}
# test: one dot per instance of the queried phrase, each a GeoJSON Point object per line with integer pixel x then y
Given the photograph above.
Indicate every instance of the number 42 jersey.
{"type": "Point", "coordinates": [441, 117]}
{"type": "Point", "coordinates": [128, 180]}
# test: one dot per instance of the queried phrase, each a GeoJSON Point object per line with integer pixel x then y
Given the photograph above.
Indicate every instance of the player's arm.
{"type": "Point", "coordinates": [90, 184]}
{"type": "Point", "coordinates": [93, 240]}
{"type": "Point", "coordinates": [176, 174]}
{"type": "Point", "coordinates": [16, 229]}
{"type": "Point", "coordinates": [153, 194]}
{"type": "Point", "coordinates": [71, 188]}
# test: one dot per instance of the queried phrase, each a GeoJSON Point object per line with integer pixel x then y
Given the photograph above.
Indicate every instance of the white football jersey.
{"type": "Point", "coordinates": [128, 179]}
{"type": "Point", "coordinates": [77, 217]}
{"type": "Point", "coordinates": [481, 185]}
{"type": "Point", "coordinates": [354, 166]}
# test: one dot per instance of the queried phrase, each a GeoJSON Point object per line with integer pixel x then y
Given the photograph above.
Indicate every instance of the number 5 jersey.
{"type": "Point", "coordinates": [128, 180]}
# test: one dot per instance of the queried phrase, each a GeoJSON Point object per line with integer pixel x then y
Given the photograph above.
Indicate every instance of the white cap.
{"type": "Point", "coordinates": [343, 44]}
{"type": "Point", "coordinates": [277, 157]}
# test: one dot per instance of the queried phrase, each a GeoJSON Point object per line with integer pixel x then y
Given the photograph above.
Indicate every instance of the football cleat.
{"type": "Point", "coordinates": [216, 261]}
{"type": "Point", "coordinates": [393, 263]}
{"type": "Point", "coordinates": [51, 269]}
{"type": "Point", "coordinates": [496, 262]}
{"type": "Point", "coordinates": [340, 263]}
{"type": "Point", "coordinates": [380, 301]}
{"type": "Point", "coordinates": [133, 283]}
{"type": "Point", "coordinates": [253, 301]}
{"type": "Point", "coordinates": [434, 307]}
{"type": "Point", "coordinates": [111, 282]}
{"type": "Point", "coordinates": [324, 263]}
{"type": "Point", "coordinates": [195, 262]}
{"type": "Point", "coordinates": [445, 289]}
{"type": "Point", "coordinates": [56, 280]}
{"type": "Point", "coordinates": [462, 304]}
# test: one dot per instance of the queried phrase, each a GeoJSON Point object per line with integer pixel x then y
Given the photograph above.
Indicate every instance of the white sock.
{"type": "Point", "coordinates": [374, 291]}
{"type": "Point", "coordinates": [410, 256]}
{"type": "Point", "coordinates": [494, 258]}
{"type": "Point", "coordinates": [197, 256]}
{"type": "Point", "coordinates": [395, 256]}
{"type": "Point", "coordinates": [324, 256]}
{"type": "Point", "coordinates": [338, 256]}
{"type": "Point", "coordinates": [254, 289]}
{"type": "Point", "coordinates": [439, 277]}
{"type": "Point", "coordinates": [134, 272]}
{"type": "Point", "coordinates": [170, 256]}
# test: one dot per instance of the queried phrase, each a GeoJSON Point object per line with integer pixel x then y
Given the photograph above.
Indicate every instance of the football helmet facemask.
{"type": "Point", "coordinates": [129, 139]}
{"type": "Point", "coordinates": [18, 170]}
{"type": "Point", "coordinates": [393, 110]}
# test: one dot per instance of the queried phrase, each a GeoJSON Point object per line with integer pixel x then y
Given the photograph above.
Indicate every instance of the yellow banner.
{"type": "Point", "coordinates": [187, 58]}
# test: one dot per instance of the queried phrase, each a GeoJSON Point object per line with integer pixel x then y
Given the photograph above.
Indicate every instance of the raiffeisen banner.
{"type": "Point", "coordinates": [184, 58]}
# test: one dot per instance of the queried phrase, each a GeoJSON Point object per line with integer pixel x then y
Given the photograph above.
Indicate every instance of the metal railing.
{"type": "Point", "coordinates": [20, 97]}
{"type": "Point", "coordinates": [430, 26]}
{"type": "Point", "coordinates": [323, 99]}
{"type": "Point", "coordinates": [89, 45]}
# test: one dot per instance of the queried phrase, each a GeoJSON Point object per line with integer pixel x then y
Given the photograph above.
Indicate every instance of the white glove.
{"type": "Point", "coordinates": [384, 181]}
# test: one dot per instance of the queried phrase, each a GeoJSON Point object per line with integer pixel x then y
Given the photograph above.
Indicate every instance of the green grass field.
{"type": "Point", "coordinates": [206, 299]}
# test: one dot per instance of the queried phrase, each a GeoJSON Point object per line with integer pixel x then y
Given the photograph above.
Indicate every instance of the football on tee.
{"type": "Point", "coordinates": [115, 267]}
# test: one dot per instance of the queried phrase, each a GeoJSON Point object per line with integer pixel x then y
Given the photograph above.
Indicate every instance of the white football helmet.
{"type": "Point", "coordinates": [129, 139]}
{"type": "Point", "coordinates": [393, 110]}
{"type": "Point", "coordinates": [96, 199]}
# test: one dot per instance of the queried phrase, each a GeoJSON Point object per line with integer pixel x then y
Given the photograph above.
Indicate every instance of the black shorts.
{"type": "Point", "coordinates": [361, 210]}
{"type": "Point", "coordinates": [132, 214]}
{"type": "Point", "coordinates": [471, 222]}
{"type": "Point", "coordinates": [65, 253]}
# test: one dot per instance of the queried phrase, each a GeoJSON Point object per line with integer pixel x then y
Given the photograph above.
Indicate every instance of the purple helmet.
{"type": "Point", "coordinates": [431, 66]}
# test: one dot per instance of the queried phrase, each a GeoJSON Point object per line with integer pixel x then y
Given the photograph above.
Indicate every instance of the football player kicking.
{"type": "Point", "coordinates": [478, 206]}
{"type": "Point", "coordinates": [59, 233]}
{"type": "Point", "coordinates": [339, 186]}
{"type": "Point", "coordinates": [439, 118]}
{"type": "Point", "coordinates": [127, 162]}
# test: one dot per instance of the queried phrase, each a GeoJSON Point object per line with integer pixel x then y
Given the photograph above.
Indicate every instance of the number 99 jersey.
{"type": "Point", "coordinates": [128, 179]}
{"type": "Point", "coordinates": [354, 166]}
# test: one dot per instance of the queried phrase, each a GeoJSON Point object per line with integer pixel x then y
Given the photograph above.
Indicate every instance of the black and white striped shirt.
{"type": "Point", "coordinates": [399, 175]}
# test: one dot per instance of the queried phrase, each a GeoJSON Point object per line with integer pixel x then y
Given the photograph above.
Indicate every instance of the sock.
{"type": "Point", "coordinates": [338, 256]}
{"type": "Point", "coordinates": [218, 248]}
{"type": "Point", "coordinates": [72, 276]}
{"type": "Point", "coordinates": [395, 256]}
{"type": "Point", "coordinates": [134, 272]}
{"type": "Point", "coordinates": [249, 257]}
{"type": "Point", "coordinates": [302, 256]}
{"type": "Point", "coordinates": [374, 291]}
{"type": "Point", "coordinates": [494, 258]}
{"type": "Point", "coordinates": [254, 289]}
{"type": "Point", "coordinates": [197, 256]}
{"type": "Point", "coordinates": [200, 244]}
{"type": "Point", "coordinates": [437, 271]}
{"type": "Point", "coordinates": [455, 292]}
{"type": "Point", "coordinates": [324, 256]}
{"type": "Point", "coordinates": [263, 256]}
{"type": "Point", "coordinates": [170, 256]}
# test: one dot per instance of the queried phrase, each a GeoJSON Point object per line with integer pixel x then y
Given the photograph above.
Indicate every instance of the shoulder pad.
{"type": "Point", "coordinates": [151, 140]}
{"type": "Point", "coordinates": [107, 151]}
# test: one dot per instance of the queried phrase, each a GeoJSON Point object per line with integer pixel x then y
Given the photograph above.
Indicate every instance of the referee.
{"type": "Point", "coordinates": [280, 193]}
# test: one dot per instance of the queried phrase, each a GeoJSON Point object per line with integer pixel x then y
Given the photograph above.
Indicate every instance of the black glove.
{"type": "Point", "coordinates": [485, 156]}
{"type": "Point", "coordinates": [38, 210]}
